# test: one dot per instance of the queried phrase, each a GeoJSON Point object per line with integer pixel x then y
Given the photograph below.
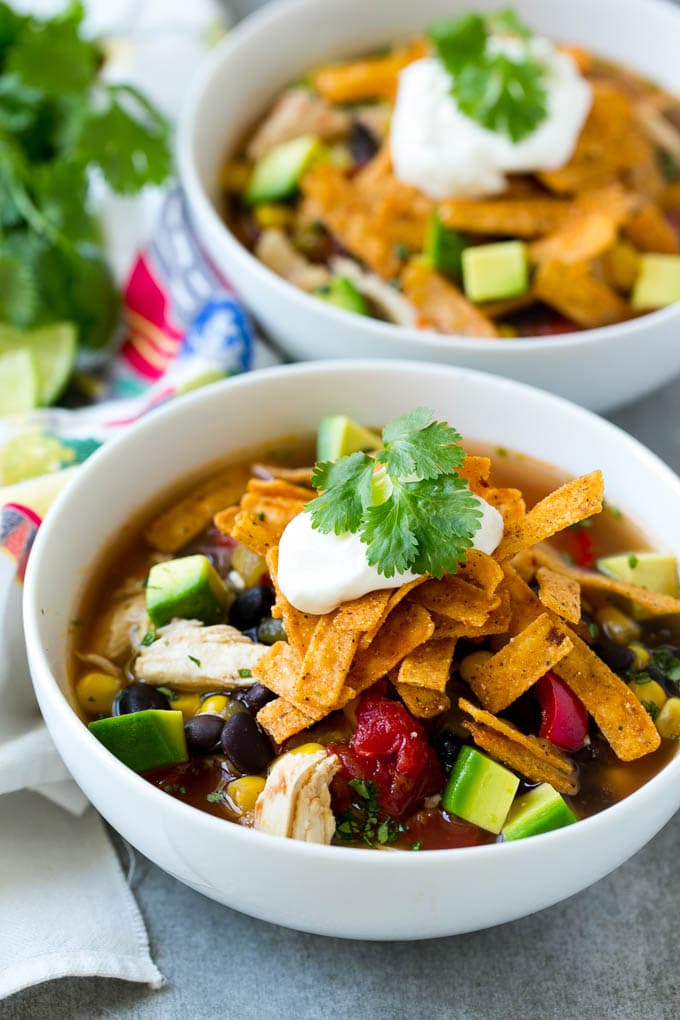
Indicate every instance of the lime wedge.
{"type": "Point", "coordinates": [339, 436]}
{"type": "Point", "coordinates": [54, 350]}
{"type": "Point", "coordinates": [18, 382]}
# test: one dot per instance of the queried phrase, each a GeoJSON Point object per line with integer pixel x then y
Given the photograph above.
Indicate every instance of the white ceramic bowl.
{"type": "Point", "coordinates": [333, 890]}
{"type": "Point", "coordinates": [599, 368]}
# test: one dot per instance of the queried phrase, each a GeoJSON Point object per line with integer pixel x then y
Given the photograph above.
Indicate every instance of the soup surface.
{"type": "Point", "coordinates": [396, 807]}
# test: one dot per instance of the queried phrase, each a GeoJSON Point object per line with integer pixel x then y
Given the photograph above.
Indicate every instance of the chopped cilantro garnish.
{"type": "Point", "coordinates": [417, 845]}
{"type": "Point", "coordinates": [614, 512]}
{"type": "Point", "coordinates": [668, 662]}
{"type": "Point", "coordinates": [650, 707]}
{"type": "Point", "coordinates": [196, 662]}
{"type": "Point", "coordinates": [261, 516]}
{"type": "Point", "coordinates": [171, 695]}
{"type": "Point", "coordinates": [428, 520]}
{"type": "Point", "coordinates": [244, 673]}
{"type": "Point", "coordinates": [567, 557]}
{"type": "Point", "coordinates": [593, 629]}
{"type": "Point", "coordinates": [633, 561]}
{"type": "Point", "coordinates": [149, 638]}
{"type": "Point", "coordinates": [365, 823]}
{"type": "Point", "coordinates": [215, 797]}
{"type": "Point", "coordinates": [501, 451]}
{"type": "Point", "coordinates": [402, 251]}
{"type": "Point", "coordinates": [503, 92]}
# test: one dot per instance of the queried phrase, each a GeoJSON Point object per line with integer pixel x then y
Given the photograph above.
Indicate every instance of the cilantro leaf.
{"type": "Point", "coordinates": [17, 291]}
{"type": "Point", "coordinates": [414, 443]}
{"type": "Point", "coordinates": [503, 93]}
{"type": "Point", "coordinates": [52, 57]}
{"type": "Point", "coordinates": [348, 491]}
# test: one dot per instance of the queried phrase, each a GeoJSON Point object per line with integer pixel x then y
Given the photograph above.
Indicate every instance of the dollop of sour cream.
{"type": "Point", "coordinates": [445, 153]}
{"type": "Point", "coordinates": [317, 572]}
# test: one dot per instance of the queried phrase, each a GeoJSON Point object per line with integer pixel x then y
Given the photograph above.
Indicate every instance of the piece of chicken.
{"type": "Point", "coordinates": [298, 112]}
{"type": "Point", "coordinates": [277, 253]}
{"type": "Point", "coordinates": [296, 800]}
{"type": "Point", "coordinates": [190, 656]}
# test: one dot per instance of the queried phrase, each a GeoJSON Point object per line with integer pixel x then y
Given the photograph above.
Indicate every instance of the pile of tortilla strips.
{"type": "Point", "coordinates": [409, 634]}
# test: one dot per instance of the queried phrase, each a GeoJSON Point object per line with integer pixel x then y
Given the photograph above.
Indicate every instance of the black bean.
{"type": "Point", "coordinates": [617, 657]}
{"type": "Point", "coordinates": [203, 733]}
{"type": "Point", "coordinates": [270, 631]}
{"type": "Point", "coordinates": [246, 746]}
{"type": "Point", "coordinates": [250, 606]}
{"type": "Point", "coordinates": [363, 144]}
{"type": "Point", "coordinates": [137, 698]}
{"type": "Point", "coordinates": [446, 745]}
{"type": "Point", "coordinates": [256, 697]}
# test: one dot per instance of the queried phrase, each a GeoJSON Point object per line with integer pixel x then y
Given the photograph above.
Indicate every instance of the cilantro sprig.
{"type": "Point", "coordinates": [59, 122]}
{"type": "Point", "coordinates": [501, 91]}
{"type": "Point", "coordinates": [420, 517]}
{"type": "Point", "coordinates": [364, 822]}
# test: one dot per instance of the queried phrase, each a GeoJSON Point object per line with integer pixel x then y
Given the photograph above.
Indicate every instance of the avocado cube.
{"type": "Point", "coordinates": [492, 272]}
{"type": "Point", "coordinates": [658, 282]}
{"type": "Point", "coordinates": [342, 293]}
{"type": "Point", "coordinates": [653, 570]}
{"type": "Point", "coordinates": [144, 740]}
{"type": "Point", "coordinates": [189, 588]}
{"type": "Point", "coordinates": [540, 810]}
{"type": "Point", "coordinates": [444, 247]}
{"type": "Point", "coordinates": [479, 790]}
{"type": "Point", "coordinates": [339, 436]}
{"type": "Point", "coordinates": [279, 172]}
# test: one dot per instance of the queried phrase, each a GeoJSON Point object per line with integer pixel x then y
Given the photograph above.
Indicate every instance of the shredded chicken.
{"type": "Point", "coordinates": [123, 624]}
{"type": "Point", "coordinates": [296, 800]}
{"type": "Point", "coordinates": [298, 112]}
{"type": "Point", "coordinates": [389, 302]}
{"type": "Point", "coordinates": [278, 254]}
{"type": "Point", "coordinates": [658, 129]}
{"type": "Point", "coordinates": [191, 656]}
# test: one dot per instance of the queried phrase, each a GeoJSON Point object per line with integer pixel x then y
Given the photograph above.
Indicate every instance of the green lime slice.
{"type": "Point", "coordinates": [18, 382]}
{"type": "Point", "coordinates": [54, 350]}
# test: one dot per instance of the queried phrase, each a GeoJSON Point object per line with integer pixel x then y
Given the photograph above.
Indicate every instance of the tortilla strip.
{"type": "Point", "coordinates": [186, 519]}
{"type": "Point", "coordinates": [458, 599]}
{"type": "Point", "coordinates": [326, 663]}
{"type": "Point", "coordinates": [441, 303]}
{"type": "Point", "coordinates": [257, 533]}
{"type": "Point", "coordinates": [653, 602]}
{"type": "Point", "coordinates": [224, 520]}
{"type": "Point", "coordinates": [509, 503]}
{"type": "Point", "coordinates": [365, 613]}
{"type": "Point", "coordinates": [579, 239]}
{"type": "Point", "coordinates": [625, 724]}
{"type": "Point", "coordinates": [527, 762]}
{"type": "Point", "coordinates": [367, 79]}
{"type": "Point", "coordinates": [670, 196]}
{"type": "Point", "coordinates": [497, 622]}
{"type": "Point", "coordinates": [649, 231]}
{"type": "Point", "coordinates": [521, 217]}
{"type": "Point", "coordinates": [476, 471]}
{"type": "Point", "coordinates": [517, 666]}
{"type": "Point", "coordinates": [298, 626]}
{"type": "Point", "coordinates": [282, 720]}
{"type": "Point", "coordinates": [422, 703]}
{"type": "Point", "coordinates": [428, 666]}
{"type": "Point", "coordinates": [571, 503]}
{"type": "Point", "coordinates": [396, 595]}
{"type": "Point", "coordinates": [559, 593]}
{"type": "Point", "coordinates": [406, 627]}
{"type": "Point", "coordinates": [504, 307]}
{"type": "Point", "coordinates": [481, 570]}
{"type": "Point", "coordinates": [524, 751]}
{"type": "Point", "coordinates": [574, 291]}
{"type": "Point", "coordinates": [298, 476]}
{"type": "Point", "coordinates": [278, 489]}
{"type": "Point", "coordinates": [620, 266]}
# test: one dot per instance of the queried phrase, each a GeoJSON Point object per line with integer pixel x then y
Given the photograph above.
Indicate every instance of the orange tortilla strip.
{"type": "Point", "coordinates": [187, 518]}
{"type": "Point", "coordinates": [625, 724]}
{"type": "Point", "coordinates": [519, 217]}
{"type": "Point", "coordinates": [497, 622]}
{"type": "Point", "coordinates": [257, 534]}
{"type": "Point", "coordinates": [509, 503]}
{"type": "Point", "coordinates": [649, 231]}
{"type": "Point", "coordinates": [476, 471]}
{"type": "Point", "coordinates": [482, 570]}
{"type": "Point", "coordinates": [428, 665]}
{"type": "Point", "coordinates": [517, 666]}
{"type": "Point", "coordinates": [282, 720]}
{"type": "Point", "coordinates": [326, 663]}
{"type": "Point", "coordinates": [559, 593]}
{"type": "Point", "coordinates": [406, 627]}
{"type": "Point", "coordinates": [298, 626]}
{"type": "Point", "coordinates": [396, 595]}
{"type": "Point", "coordinates": [620, 266]}
{"type": "Point", "coordinates": [301, 476]}
{"type": "Point", "coordinates": [365, 613]}
{"type": "Point", "coordinates": [422, 703]}
{"type": "Point", "coordinates": [457, 599]}
{"type": "Point", "coordinates": [575, 291]}
{"type": "Point", "coordinates": [571, 503]}
{"type": "Point", "coordinates": [441, 303]}
{"type": "Point", "coordinates": [522, 751]}
{"type": "Point", "coordinates": [224, 520]}
{"type": "Point", "coordinates": [367, 79]}
{"type": "Point", "coordinates": [580, 239]}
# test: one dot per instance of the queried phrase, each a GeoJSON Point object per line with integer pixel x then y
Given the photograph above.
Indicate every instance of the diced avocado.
{"type": "Point", "coordinates": [144, 740]}
{"type": "Point", "coordinates": [342, 293]}
{"type": "Point", "coordinates": [444, 247]}
{"type": "Point", "coordinates": [339, 436]}
{"type": "Point", "coordinates": [658, 281]}
{"type": "Point", "coordinates": [189, 587]}
{"type": "Point", "coordinates": [653, 570]}
{"type": "Point", "coordinates": [492, 272]}
{"type": "Point", "coordinates": [278, 173]}
{"type": "Point", "coordinates": [539, 810]}
{"type": "Point", "coordinates": [479, 790]}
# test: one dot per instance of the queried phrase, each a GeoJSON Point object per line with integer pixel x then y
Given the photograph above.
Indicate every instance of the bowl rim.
{"type": "Point", "coordinates": [200, 206]}
{"type": "Point", "coordinates": [130, 441]}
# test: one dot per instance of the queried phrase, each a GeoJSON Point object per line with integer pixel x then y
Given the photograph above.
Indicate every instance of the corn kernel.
{"type": "Point", "coordinates": [244, 792]}
{"type": "Point", "coordinates": [668, 720]}
{"type": "Point", "coordinates": [308, 748]}
{"type": "Point", "coordinates": [617, 626]}
{"type": "Point", "coordinates": [216, 704]}
{"type": "Point", "coordinates": [641, 654]}
{"type": "Point", "coordinates": [649, 693]}
{"type": "Point", "coordinates": [96, 692]}
{"type": "Point", "coordinates": [272, 216]}
{"type": "Point", "coordinates": [188, 704]}
{"type": "Point", "coordinates": [471, 664]}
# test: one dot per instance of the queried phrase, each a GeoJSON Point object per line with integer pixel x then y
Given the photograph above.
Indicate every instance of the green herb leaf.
{"type": "Point", "coordinates": [149, 638]}
{"type": "Point", "coordinates": [503, 93]}
{"type": "Point", "coordinates": [668, 662]}
{"type": "Point", "coordinates": [196, 662]}
{"type": "Point", "coordinates": [633, 561]}
{"type": "Point", "coordinates": [347, 485]}
{"type": "Point", "coordinates": [365, 823]}
{"type": "Point", "coordinates": [244, 673]}
{"type": "Point", "coordinates": [651, 708]}
{"type": "Point", "coordinates": [415, 444]}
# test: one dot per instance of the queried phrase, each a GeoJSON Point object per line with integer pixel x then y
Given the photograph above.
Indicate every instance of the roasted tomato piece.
{"type": "Point", "coordinates": [565, 720]}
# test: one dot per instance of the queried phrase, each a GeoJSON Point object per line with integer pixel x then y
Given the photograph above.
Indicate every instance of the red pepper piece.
{"type": "Point", "coordinates": [565, 720]}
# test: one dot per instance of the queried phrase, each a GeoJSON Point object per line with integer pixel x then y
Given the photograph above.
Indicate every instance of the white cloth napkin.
{"type": "Point", "coordinates": [65, 907]}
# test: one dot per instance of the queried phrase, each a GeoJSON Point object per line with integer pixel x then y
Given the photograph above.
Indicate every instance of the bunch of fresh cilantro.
{"type": "Point", "coordinates": [59, 124]}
